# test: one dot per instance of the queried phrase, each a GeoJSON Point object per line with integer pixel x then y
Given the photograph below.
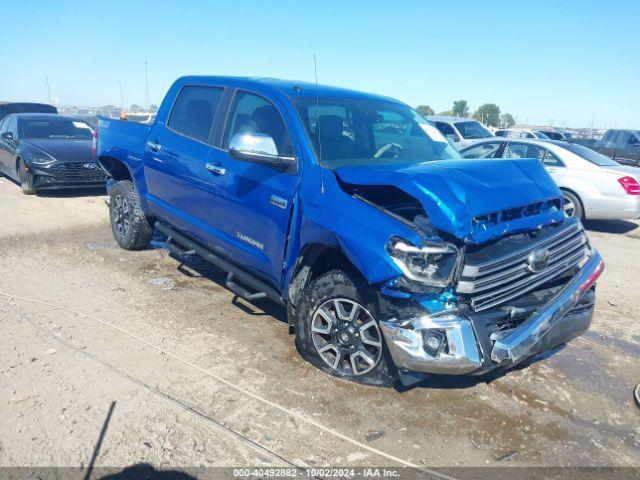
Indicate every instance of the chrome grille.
{"type": "Point", "coordinates": [499, 280]}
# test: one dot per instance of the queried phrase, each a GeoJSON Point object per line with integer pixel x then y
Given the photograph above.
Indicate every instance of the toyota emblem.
{"type": "Point", "coordinates": [538, 260]}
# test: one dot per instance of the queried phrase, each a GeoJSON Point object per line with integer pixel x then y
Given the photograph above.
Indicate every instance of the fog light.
{"type": "Point", "coordinates": [434, 342]}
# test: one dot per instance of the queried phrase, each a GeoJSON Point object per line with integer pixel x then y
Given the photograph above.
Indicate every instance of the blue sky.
{"type": "Point", "coordinates": [561, 61]}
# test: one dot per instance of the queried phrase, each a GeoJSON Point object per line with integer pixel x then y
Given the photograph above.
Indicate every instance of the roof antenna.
{"type": "Point", "coordinates": [315, 71]}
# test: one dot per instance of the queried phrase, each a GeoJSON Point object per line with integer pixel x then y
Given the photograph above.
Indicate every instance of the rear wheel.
{"type": "Point", "coordinates": [336, 330]}
{"type": "Point", "coordinates": [131, 228]}
{"type": "Point", "coordinates": [572, 205]}
{"type": "Point", "coordinates": [26, 179]}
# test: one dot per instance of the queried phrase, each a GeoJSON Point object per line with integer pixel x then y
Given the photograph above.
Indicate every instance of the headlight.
{"type": "Point", "coordinates": [41, 160]}
{"type": "Point", "coordinates": [432, 264]}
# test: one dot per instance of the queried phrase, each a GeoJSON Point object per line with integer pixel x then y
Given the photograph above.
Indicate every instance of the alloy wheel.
{"type": "Point", "coordinates": [346, 336]}
{"type": "Point", "coordinates": [569, 207]}
{"type": "Point", "coordinates": [122, 216]}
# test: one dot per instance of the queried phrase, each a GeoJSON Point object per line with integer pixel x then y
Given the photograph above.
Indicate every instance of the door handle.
{"type": "Point", "coordinates": [154, 146]}
{"type": "Point", "coordinates": [216, 169]}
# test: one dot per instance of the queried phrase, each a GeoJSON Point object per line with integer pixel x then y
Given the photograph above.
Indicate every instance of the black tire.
{"type": "Point", "coordinates": [26, 179]}
{"type": "Point", "coordinates": [571, 198]}
{"type": "Point", "coordinates": [131, 228]}
{"type": "Point", "coordinates": [324, 291]}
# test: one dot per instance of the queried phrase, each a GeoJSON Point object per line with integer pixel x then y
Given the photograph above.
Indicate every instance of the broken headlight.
{"type": "Point", "coordinates": [433, 264]}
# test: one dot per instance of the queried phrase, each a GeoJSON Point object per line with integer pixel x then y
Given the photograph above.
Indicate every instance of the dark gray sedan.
{"type": "Point", "coordinates": [48, 151]}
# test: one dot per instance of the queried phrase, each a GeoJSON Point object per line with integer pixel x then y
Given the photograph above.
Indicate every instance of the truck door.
{"type": "Point", "coordinates": [249, 205]}
{"type": "Point", "coordinates": [176, 152]}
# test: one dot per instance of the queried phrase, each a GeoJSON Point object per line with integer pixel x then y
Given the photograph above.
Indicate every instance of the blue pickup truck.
{"type": "Point", "coordinates": [394, 257]}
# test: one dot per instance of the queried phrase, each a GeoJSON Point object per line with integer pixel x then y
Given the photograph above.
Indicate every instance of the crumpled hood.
{"type": "Point", "coordinates": [455, 192]}
{"type": "Point", "coordinates": [63, 150]}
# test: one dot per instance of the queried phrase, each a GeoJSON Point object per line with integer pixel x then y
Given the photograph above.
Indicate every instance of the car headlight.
{"type": "Point", "coordinates": [41, 159]}
{"type": "Point", "coordinates": [433, 264]}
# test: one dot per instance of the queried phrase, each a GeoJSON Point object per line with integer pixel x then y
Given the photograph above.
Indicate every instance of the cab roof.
{"type": "Point", "coordinates": [290, 88]}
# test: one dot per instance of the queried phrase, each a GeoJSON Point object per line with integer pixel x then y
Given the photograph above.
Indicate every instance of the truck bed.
{"type": "Point", "coordinates": [121, 139]}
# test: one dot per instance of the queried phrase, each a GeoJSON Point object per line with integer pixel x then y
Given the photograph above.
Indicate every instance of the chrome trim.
{"type": "Point", "coordinates": [405, 342]}
{"type": "Point", "coordinates": [216, 169]}
{"type": "Point", "coordinates": [519, 344]}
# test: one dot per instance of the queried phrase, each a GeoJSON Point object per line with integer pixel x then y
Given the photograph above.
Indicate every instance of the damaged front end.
{"type": "Point", "coordinates": [505, 305]}
{"type": "Point", "coordinates": [479, 290]}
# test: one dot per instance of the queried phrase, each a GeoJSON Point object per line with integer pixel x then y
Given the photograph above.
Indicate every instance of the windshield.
{"type": "Point", "coordinates": [472, 129]}
{"type": "Point", "coordinates": [541, 135]}
{"type": "Point", "coordinates": [356, 131]}
{"type": "Point", "coordinates": [56, 129]}
{"type": "Point", "coordinates": [590, 155]}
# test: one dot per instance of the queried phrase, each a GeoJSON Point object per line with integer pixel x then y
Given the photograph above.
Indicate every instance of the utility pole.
{"type": "Point", "coordinates": [146, 86]}
{"type": "Point", "coordinates": [121, 98]}
{"type": "Point", "coordinates": [48, 89]}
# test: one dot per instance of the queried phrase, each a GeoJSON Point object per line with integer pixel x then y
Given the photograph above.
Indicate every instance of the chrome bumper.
{"type": "Point", "coordinates": [405, 338]}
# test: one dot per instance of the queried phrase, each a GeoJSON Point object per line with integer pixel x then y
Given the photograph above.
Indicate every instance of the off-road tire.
{"type": "Point", "coordinates": [337, 284]}
{"type": "Point", "coordinates": [131, 228]}
{"type": "Point", "coordinates": [26, 179]}
{"type": "Point", "coordinates": [578, 208]}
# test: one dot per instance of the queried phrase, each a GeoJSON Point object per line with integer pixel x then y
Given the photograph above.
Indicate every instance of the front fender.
{"type": "Point", "coordinates": [360, 230]}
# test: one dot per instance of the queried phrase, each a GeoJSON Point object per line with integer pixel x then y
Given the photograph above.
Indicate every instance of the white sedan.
{"type": "Point", "coordinates": [594, 186]}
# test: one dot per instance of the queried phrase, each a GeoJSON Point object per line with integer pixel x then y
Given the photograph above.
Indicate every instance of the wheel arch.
{"type": "Point", "coordinates": [115, 168]}
{"type": "Point", "coordinates": [314, 260]}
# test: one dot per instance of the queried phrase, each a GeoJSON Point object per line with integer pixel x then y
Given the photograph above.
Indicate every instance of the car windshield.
{"type": "Point", "coordinates": [590, 155]}
{"type": "Point", "coordinates": [472, 129]}
{"type": "Point", "coordinates": [357, 131]}
{"type": "Point", "coordinates": [541, 135]}
{"type": "Point", "coordinates": [55, 129]}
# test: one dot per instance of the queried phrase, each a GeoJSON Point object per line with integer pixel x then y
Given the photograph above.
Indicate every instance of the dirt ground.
{"type": "Point", "coordinates": [194, 378]}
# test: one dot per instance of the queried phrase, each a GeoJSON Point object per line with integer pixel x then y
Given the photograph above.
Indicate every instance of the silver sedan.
{"type": "Point", "coordinates": [594, 186]}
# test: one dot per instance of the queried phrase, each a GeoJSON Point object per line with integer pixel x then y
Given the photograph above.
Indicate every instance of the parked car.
{"type": "Point", "coordinates": [621, 145]}
{"type": "Point", "coordinates": [7, 108]}
{"type": "Point", "coordinates": [394, 257]}
{"type": "Point", "coordinates": [46, 151]}
{"type": "Point", "coordinates": [594, 186]}
{"type": "Point", "coordinates": [459, 130]}
{"type": "Point", "coordinates": [511, 133]}
{"type": "Point", "coordinates": [557, 135]}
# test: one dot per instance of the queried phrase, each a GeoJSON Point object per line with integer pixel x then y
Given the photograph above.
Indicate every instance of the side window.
{"type": "Point", "coordinates": [254, 114]}
{"type": "Point", "coordinates": [611, 139]}
{"type": "Point", "coordinates": [623, 138]}
{"type": "Point", "coordinates": [3, 124]}
{"type": "Point", "coordinates": [523, 150]}
{"type": "Point", "coordinates": [12, 126]}
{"type": "Point", "coordinates": [445, 128]}
{"type": "Point", "coordinates": [194, 111]}
{"type": "Point", "coordinates": [482, 150]}
{"type": "Point", "coordinates": [551, 160]}
{"type": "Point", "coordinates": [634, 140]}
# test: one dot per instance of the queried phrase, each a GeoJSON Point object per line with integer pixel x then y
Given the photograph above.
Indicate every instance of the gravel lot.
{"type": "Point", "coordinates": [198, 379]}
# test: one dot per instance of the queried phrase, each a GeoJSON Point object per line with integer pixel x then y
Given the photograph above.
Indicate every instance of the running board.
{"type": "Point", "coordinates": [190, 247]}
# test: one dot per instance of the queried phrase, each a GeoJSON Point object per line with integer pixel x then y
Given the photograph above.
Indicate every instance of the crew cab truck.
{"type": "Point", "coordinates": [394, 257]}
{"type": "Point", "coordinates": [623, 146]}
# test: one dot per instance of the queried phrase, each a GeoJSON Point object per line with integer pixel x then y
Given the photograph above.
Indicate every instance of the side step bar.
{"type": "Point", "coordinates": [260, 288]}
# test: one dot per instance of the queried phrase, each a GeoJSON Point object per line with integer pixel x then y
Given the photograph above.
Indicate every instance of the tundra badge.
{"type": "Point", "coordinates": [278, 202]}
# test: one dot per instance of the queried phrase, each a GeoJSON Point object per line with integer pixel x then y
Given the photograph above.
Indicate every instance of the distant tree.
{"type": "Point", "coordinates": [135, 107]}
{"type": "Point", "coordinates": [489, 114]}
{"type": "Point", "coordinates": [425, 110]}
{"type": "Point", "coordinates": [446, 113]}
{"type": "Point", "coordinates": [460, 108]}
{"type": "Point", "coordinates": [507, 120]}
{"type": "Point", "coordinates": [153, 107]}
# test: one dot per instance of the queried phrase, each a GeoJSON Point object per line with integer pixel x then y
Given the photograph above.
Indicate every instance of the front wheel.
{"type": "Point", "coordinates": [130, 226]}
{"type": "Point", "coordinates": [26, 179]}
{"type": "Point", "coordinates": [336, 330]}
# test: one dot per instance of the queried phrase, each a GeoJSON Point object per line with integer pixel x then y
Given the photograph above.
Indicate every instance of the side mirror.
{"type": "Point", "coordinates": [258, 148]}
{"type": "Point", "coordinates": [7, 135]}
{"type": "Point", "coordinates": [453, 137]}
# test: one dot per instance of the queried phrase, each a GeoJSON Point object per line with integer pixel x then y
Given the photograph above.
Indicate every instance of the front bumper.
{"type": "Point", "coordinates": [555, 322]}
